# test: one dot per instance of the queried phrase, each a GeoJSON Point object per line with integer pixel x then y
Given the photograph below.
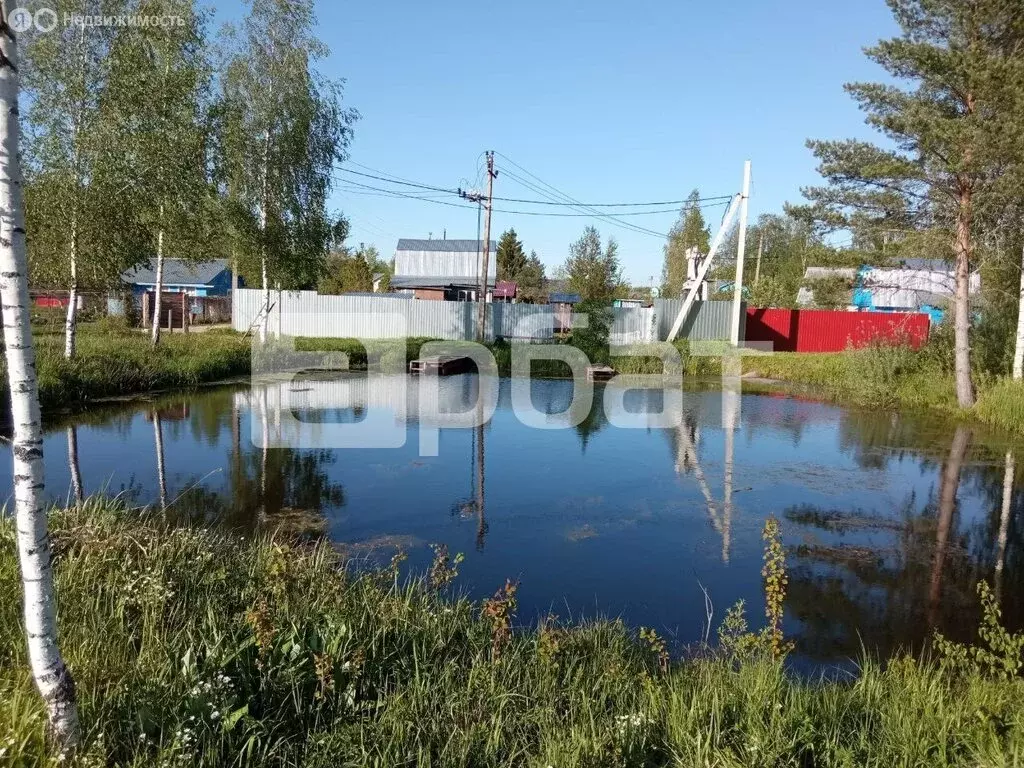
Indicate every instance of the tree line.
{"type": "Point", "coordinates": [143, 143]}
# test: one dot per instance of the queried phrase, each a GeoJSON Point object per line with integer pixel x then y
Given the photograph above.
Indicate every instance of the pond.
{"type": "Point", "coordinates": [888, 520]}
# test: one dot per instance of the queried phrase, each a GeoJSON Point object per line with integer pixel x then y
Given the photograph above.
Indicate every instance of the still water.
{"type": "Point", "coordinates": [889, 520]}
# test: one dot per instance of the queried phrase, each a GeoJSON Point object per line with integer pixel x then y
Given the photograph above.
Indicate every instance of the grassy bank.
{"type": "Point", "coordinates": [193, 648]}
{"type": "Point", "coordinates": [113, 361]}
{"type": "Point", "coordinates": [894, 377]}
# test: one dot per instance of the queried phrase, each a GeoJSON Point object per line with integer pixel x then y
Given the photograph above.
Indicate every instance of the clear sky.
{"type": "Point", "coordinates": [606, 101]}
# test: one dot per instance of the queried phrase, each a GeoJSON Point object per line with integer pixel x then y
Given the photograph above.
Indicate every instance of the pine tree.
{"type": "Point", "coordinates": [950, 132]}
{"type": "Point", "coordinates": [530, 285]}
{"type": "Point", "coordinates": [511, 257]}
{"type": "Point", "coordinates": [690, 231]}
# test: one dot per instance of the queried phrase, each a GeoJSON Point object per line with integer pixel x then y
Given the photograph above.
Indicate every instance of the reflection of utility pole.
{"type": "Point", "coordinates": [481, 527]}
{"type": "Point", "coordinates": [76, 473]}
{"type": "Point", "coordinates": [949, 485]}
{"type": "Point", "coordinates": [158, 435]}
{"type": "Point", "coordinates": [1004, 524]}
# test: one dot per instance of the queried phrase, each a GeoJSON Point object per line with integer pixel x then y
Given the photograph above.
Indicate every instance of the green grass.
{"type": "Point", "coordinates": [1002, 405]}
{"type": "Point", "coordinates": [115, 362]}
{"type": "Point", "coordinates": [192, 647]}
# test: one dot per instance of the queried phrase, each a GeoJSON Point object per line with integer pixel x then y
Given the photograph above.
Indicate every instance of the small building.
{"type": "Point", "coordinates": [443, 270]}
{"type": "Point", "coordinates": [201, 278]}
{"type": "Point", "coordinates": [505, 292]}
{"type": "Point", "coordinates": [916, 285]}
{"type": "Point", "coordinates": [628, 303]}
{"type": "Point", "coordinates": [563, 304]}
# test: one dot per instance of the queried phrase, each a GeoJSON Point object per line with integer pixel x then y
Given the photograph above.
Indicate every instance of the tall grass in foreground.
{"type": "Point", "coordinates": [192, 647]}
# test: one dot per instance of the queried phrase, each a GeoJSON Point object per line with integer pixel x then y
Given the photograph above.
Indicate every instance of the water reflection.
{"type": "Point", "coordinates": [889, 520]}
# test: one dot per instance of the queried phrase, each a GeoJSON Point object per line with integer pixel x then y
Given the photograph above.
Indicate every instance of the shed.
{"type": "Point", "coordinates": [563, 304]}
{"type": "Point", "coordinates": [442, 270]}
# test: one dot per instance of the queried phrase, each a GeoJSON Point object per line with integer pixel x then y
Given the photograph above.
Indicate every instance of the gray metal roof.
{"type": "Point", "coordinates": [403, 281]}
{"type": "Point", "coordinates": [177, 272]}
{"type": "Point", "coordinates": [450, 246]}
{"type": "Point", "coordinates": [563, 298]}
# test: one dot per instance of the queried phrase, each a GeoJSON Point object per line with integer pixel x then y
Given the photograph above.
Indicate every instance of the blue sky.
{"type": "Point", "coordinates": [606, 101]}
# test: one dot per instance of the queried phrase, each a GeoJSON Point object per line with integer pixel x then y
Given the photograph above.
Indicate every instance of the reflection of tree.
{"type": "Point", "coordinates": [73, 467]}
{"type": "Point", "coordinates": [594, 421]}
{"type": "Point", "coordinates": [889, 580]}
{"type": "Point", "coordinates": [161, 477]}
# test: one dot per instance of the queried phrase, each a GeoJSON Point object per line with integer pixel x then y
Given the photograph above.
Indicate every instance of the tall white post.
{"type": "Point", "coordinates": [737, 295]}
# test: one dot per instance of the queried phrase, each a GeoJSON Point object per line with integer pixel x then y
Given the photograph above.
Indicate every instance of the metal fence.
{"type": "Point", "coordinates": [708, 320]}
{"type": "Point", "coordinates": [307, 313]}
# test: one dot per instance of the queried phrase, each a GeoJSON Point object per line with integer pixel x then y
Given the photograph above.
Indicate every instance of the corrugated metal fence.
{"type": "Point", "coordinates": [823, 330]}
{"type": "Point", "coordinates": [306, 313]}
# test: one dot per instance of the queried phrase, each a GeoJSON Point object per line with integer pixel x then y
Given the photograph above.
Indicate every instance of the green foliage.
{"type": "Point", "coordinates": [689, 231]}
{"type": "Point", "coordinates": [193, 647]}
{"type": "Point", "coordinates": [283, 130]}
{"type": "Point", "coordinates": [1000, 654]}
{"type": "Point", "coordinates": [593, 339]}
{"type": "Point", "coordinates": [511, 258]}
{"type": "Point", "coordinates": [346, 272]}
{"type": "Point", "coordinates": [831, 292]}
{"type": "Point", "coordinates": [531, 280]}
{"type": "Point", "coordinates": [594, 273]}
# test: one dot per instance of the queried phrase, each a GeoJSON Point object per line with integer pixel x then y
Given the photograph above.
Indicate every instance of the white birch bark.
{"type": "Point", "coordinates": [73, 467]}
{"type": "Point", "coordinates": [1018, 347]}
{"type": "Point", "coordinates": [71, 320]}
{"type": "Point", "coordinates": [263, 239]}
{"type": "Point", "coordinates": [159, 287]}
{"type": "Point", "coordinates": [52, 677]}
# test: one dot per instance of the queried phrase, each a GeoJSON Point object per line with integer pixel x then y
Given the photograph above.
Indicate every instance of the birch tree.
{"type": "Point", "coordinates": [1018, 346]}
{"type": "Point", "coordinates": [77, 227]}
{"type": "Point", "coordinates": [956, 66]}
{"type": "Point", "coordinates": [35, 555]}
{"type": "Point", "coordinates": [159, 89]}
{"type": "Point", "coordinates": [287, 130]}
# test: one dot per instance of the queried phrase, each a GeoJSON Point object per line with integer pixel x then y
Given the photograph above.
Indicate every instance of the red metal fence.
{"type": "Point", "coordinates": [823, 330]}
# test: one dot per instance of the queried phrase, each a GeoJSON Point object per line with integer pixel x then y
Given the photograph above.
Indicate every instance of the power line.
{"type": "Point", "coordinates": [569, 202]}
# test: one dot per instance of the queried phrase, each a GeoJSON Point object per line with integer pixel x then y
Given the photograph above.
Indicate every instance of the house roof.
{"type": "Point", "coordinates": [505, 289]}
{"type": "Point", "coordinates": [403, 281]}
{"type": "Point", "coordinates": [177, 272]}
{"type": "Point", "coordinates": [563, 298]}
{"type": "Point", "coordinates": [448, 246]}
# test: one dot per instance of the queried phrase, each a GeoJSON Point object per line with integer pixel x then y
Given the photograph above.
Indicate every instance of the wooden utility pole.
{"type": "Point", "coordinates": [482, 295]}
{"type": "Point", "coordinates": [760, 250]}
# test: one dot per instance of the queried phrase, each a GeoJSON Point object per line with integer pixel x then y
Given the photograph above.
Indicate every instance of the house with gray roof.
{"type": "Point", "coordinates": [199, 278]}
{"type": "Point", "coordinates": [443, 270]}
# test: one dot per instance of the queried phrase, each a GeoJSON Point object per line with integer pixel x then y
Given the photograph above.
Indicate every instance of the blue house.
{"type": "Point", "coordinates": [202, 278]}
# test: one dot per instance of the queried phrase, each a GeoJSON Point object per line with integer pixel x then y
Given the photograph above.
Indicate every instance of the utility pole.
{"type": "Point", "coordinates": [737, 296]}
{"type": "Point", "coordinates": [760, 250]}
{"type": "Point", "coordinates": [477, 197]}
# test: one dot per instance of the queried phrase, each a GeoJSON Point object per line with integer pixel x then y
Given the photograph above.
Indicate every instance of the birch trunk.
{"type": "Point", "coordinates": [159, 287]}
{"type": "Point", "coordinates": [71, 321]}
{"type": "Point", "coordinates": [73, 468]}
{"type": "Point", "coordinates": [52, 677]}
{"type": "Point", "coordinates": [1018, 348]}
{"type": "Point", "coordinates": [962, 303]}
{"type": "Point", "coordinates": [263, 238]}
